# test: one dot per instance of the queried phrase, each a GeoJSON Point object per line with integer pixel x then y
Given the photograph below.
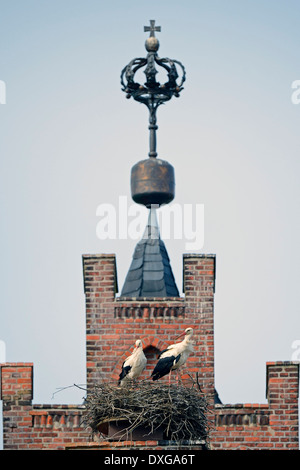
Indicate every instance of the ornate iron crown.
{"type": "Point", "coordinates": [152, 93]}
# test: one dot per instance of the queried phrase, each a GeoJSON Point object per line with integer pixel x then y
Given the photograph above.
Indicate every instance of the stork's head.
{"type": "Point", "coordinates": [187, 333]}
{"type": "Point", "coordinates": [138, 344]}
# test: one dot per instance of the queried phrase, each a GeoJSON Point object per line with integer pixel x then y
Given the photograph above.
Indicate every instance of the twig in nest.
{"type": "Point", "coordinates": [60, 389]}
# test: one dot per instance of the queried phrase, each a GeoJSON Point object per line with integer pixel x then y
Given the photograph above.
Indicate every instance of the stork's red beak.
{"type": "Point", "coordinates": [181, 335]}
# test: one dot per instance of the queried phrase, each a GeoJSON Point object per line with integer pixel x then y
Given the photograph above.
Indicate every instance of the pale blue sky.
{"type": "Point", "coordinates": [69, 139]}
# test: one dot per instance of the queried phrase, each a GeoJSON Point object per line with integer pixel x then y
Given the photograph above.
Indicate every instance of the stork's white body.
{"type": "Point", "coordinates": [134, 365]}
{"type": "Point", "coordinates": [183, 350]}
{"type": "Point", "coordinates": [174, 357]}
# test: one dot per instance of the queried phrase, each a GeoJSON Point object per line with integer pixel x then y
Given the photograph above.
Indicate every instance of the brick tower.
{"type": "Point", "coordinates": [114, 323]}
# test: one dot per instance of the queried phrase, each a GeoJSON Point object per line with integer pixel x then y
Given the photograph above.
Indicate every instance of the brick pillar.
{"type": "Point", "coordinates": [16, 383]}
{"type": "Point", "coordinates": [282, 394]}
{"type": "Point", "coordinates": [199, 288]}
{"type": "Point", "coordinates": [100, 287]}
{"type": "Point", "coordinates": [16, 394]}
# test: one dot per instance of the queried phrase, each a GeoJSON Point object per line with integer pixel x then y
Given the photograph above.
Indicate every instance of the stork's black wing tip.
{"type": "Point", "coordinates": [125, 371]}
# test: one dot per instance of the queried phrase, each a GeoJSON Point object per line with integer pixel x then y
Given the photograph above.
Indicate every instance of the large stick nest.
{"type": "Point", "coordinates": [181, 412]}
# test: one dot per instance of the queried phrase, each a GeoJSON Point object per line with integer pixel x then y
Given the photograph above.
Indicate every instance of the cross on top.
{"type": "Point", "coordinates": [152, 28]}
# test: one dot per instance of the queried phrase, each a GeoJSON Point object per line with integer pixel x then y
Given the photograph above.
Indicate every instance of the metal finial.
{"type": "Point", "coordinates": [152, 28]}
{"type": "Point", "coordinates": [152, 93]}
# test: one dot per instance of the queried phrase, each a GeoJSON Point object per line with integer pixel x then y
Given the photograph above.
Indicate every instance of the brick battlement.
{"type": "Point", "coordinates": [274, 425]}
{"type": "Point", "coordinates": [28, 426]}
{"type": "Point", "coordinates": [17, 382]}
{"type": "Point", "coordinates": [112, 326]}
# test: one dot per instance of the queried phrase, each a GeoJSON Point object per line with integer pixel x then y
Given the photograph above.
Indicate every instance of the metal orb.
{"type": "Point", "coordinates": [152, 182]}
{"type": "Point", "coordinates": [152, 44]}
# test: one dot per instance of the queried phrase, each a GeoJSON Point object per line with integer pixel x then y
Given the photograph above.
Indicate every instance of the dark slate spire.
{"type": "Point", "coordinates": [150, 273]}
{"type": "Point", "coordinates": [153, 179]}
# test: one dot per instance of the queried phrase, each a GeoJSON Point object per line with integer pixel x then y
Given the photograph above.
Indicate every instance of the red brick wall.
{"type": "Point", "coordinates": [114, 324]}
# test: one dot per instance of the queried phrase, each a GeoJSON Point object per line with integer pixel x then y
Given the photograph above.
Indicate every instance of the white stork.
{"type": "Point", "coordinates": [133, 365]}
{"type": "Point", "coordinates": [174, 356]}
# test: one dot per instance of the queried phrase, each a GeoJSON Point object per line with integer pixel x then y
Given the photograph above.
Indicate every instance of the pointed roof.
{"type": "Point", "coordinates": [150, 273]}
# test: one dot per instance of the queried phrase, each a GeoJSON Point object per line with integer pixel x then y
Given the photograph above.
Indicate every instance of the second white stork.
{"type": "Point", "coordinates": [174, 356]}
{"type": "Point", "coordinates": [133, 365]}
